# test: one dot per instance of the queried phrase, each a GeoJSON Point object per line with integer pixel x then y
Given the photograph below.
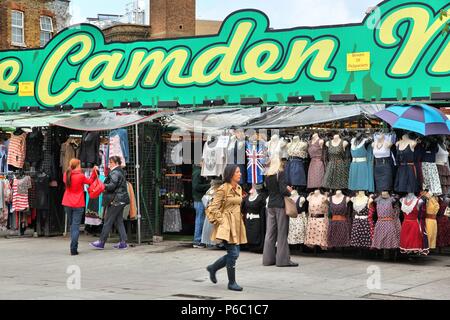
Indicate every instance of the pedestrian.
{"type": "Point", "coordinates": [228, 224]}
{"type": "Point", "coordinates": [277, 220]}
{"type": "Point", "coordinates": [73, 199]}
{"type": "Point", "coordinates": [115, 198]}
{"type": "Point", "coordinates": [199, 188]}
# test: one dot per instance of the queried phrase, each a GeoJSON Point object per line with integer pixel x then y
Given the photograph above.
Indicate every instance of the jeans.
{"type": "Point", "coordinates": [114, 216]}
{"type": "Point", "coordinates": [232, 255]}
{"type": "Point", "coordinates": [199, 219]}
{"type": "Point", "coordinates": [74, 216]}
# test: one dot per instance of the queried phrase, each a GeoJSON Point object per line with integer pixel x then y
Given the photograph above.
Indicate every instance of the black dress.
{"type": "Point", "coordinates": [406, 179]}
{"type": "Point", "coordinates": [90, 146]}
{"type": "Point", "coordinates": [35, 146]}
{"type": "Point", "coordinates": [255, 221]}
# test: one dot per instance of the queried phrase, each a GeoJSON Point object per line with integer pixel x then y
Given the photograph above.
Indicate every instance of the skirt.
{"type": "Point", "coordinates": [406, 179]}
{"type": "Point", "coordinates": [295, 172]}
{"type": "Point", "coordinates": [431, 179]}
{"type": "Point", "coordinates": [384, 175]}
{"type": "Point", "coordinates": [444, 177]}
{"type": "Point", "coordinates": [386, 234]}
{"type": "Point", "coordinates": [411, 239]}
{"type": "Point", "coordinates": [297, 229]}
{"type": "Point", "coordinates": [336, 175]}
{"type": "Point", "coordinates": [315, 173]}
{"type": "Point", "coordinates": [338, 234]}
{"type": "Point", "coordinates": [360, 236]}
{"type": "Point", "coordinates": [317, 232]}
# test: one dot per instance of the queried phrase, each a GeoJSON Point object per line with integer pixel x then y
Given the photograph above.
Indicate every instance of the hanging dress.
{"type": "Point", "coordinates": [336, 174]}
{"type": "Point", "coordinates": [297, 226]}
{"type": "Point", "coordinates": [406, 179]}
{"type": "Point", "coordinates": [411, 236]}
{"type": "Point", "coordinates": [387, 229]}
{"type": "Point", "coordinates": [431, 222]}
{"type": "Point", "coordinates": [361, 168]}
{"type": "Point", "coordinates": [295, 168]}
{"type": "Point", "coordinates": [443, 222]}
{"type": "Point", "coordinates": [360, 234]}
{"type": "Point", "coordinates": [339, 225]}
{"type": "Point", "coordinates": [383, 168]}
{"type": "Point", "coordinates": [317, 229]}
{"type": "Point", "coordinates": [430, 172]}
{"type": "Point", "coordinates": [254, 208]}
{"type": "Point", "coordinates": [316, 167]}
{"type": "Point", "coordinates": [443, 169]}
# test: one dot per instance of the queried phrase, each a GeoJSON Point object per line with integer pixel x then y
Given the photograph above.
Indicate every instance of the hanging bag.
{"type": "Point", "coordinates": [96, 188]}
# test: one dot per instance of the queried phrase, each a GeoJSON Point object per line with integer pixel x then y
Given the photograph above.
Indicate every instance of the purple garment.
{"type": "Point", "coordinates": [386, 233]}
{"type": "Point", "coordinates": [339, 231]}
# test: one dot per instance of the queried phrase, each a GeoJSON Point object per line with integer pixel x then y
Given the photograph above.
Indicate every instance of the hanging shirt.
{"type": "Point", "coordinates": [69, 151]}
{"type": "Point", "coordinates": [213, 161]}
{"type": "Point", "coordinates": [4, 156]}
{"type": "Point", "coordinates": [255, 162]}
{"type": "Point", "coordinates": [35, 144]}
{"type": "Point", "coordinates": [90, 144]}
{"type": "Point", "coordinates": [20, 194]}
{"type": "Point", "coordinates": [103, 153]}
{"type": "Point", "coordinates": [17, 150]}
{"type": "Point", "coordinates": [124, 145]}
{"type": "Point", "coordinates": [115, 150]}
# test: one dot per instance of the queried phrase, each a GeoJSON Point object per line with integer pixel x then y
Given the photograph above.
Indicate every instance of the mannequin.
{"type": "Point", "coordinates": [315, 137]}
{"type": "Point", "coordinates": [337, 171]}
{"type": "Point", "coordinates": [297, 226]}
{"type": "Point", "coordinates": [381, 142]}
{"type": "Point", "coordinates": [412, 233]}
{"type": "Point", "coordinates": [339, 196]}
{"type": "Point", "coordinates": [406, 179]}
{"type": "Point", "coordinates": [316, 167]}
{"type": "Point", "coordinates": [254, 208]}
{"type": "Point", "coordinates": [383, 164]}
{"type": "Point", "coordinates": [336, 141]}
{"type": "Point", "coordinates": [361, 169]}
{"type": "Point", "coordinates": [317, 227]}
{"type": "Point", "coordinates": [295, 169]}
{"type": "Point", "coordinates": [360, 232]}
{"type": "Point", "coordinates": [339, 226]}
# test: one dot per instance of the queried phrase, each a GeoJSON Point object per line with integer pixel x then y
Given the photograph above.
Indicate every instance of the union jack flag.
{"type": "Point", "coordinates": [255, 162]}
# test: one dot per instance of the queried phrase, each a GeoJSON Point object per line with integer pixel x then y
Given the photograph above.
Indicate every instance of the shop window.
{"type": "Point", "coordinates": [17, 28]}
{"type": "Point", "coordinates": [46, 30]}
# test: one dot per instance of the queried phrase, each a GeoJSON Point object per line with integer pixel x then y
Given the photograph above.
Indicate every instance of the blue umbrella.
{"type": "Point", "coordinates": [420, 118]}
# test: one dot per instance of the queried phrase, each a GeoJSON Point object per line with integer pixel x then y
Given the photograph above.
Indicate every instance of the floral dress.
{"type": "Point", "coordinates": [317, 229]}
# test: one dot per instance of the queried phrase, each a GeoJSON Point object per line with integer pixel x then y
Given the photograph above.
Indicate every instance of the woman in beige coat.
{"type": "Point", "coordinates": [228, 224]}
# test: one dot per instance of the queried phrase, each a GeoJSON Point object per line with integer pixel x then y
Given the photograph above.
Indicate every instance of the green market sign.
{"type": "Point", "coordinates": [398, 51]}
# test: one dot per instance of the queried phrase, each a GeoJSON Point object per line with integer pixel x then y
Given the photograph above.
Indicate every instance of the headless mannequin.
{"type": "Point", "coordinates": [360, 198]}
{"type": "Point", "coordinates": [315, 138]}
{"type": "Point", "coordinates": [339, 197]}
{"type": "Point", "coordinates": [381, 142]}
{"type": "Point", "coordinates": [405, 142]}
{"type": "Point", "coordinates": [336, 141]}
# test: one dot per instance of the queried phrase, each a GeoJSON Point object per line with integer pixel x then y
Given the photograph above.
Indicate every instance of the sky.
{"type": "Point", "coordinates": [282, 13]}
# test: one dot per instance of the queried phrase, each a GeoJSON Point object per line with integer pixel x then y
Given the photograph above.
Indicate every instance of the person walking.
{"type": "Point", "coordinates": [228, 224]}
{"type": "Point", "coordinates": [277, 220]}
{"type": "Point", "coordinates": [73, 199]}
{"type": "Point", "coordinates": [199, 188]}
{"type": "Point", "coordinates": [115, 198]}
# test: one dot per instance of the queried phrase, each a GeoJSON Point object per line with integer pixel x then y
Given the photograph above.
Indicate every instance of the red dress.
{"type": "Point", "coordinates": [411, 236]}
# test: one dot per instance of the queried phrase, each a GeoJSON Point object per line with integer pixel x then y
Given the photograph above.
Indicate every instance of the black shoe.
{"type": "Point", "coordinates": [212, 269]}
{"type": "Point", "coordinates": [74, 253]}
{"type": "Point", "coordinates": [291, 264]}
{"type": "Point", "coordinates": [232, 285]}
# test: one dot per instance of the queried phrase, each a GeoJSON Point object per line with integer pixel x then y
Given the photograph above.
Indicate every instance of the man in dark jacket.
{"type": "Point", "coordinates": [199, 188]}
{"type": "Point", "coordinates": [115, 198]}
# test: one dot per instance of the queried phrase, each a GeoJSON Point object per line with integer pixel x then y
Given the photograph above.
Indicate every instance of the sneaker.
{"type": "Point", "coordinates": [199, 245]}
{"type": "Point", "coordinates": [121, 246]}
{"type": "Point", "coordinates": [97, 245]}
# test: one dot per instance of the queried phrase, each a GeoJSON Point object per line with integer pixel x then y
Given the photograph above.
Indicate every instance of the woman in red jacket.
{"type": "Point", "coordinates": [73, 200]}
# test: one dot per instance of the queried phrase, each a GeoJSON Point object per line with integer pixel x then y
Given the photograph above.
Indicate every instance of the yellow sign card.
{"type": "Point", "coordinates": [358, 61]}
{"type": "Point", "coordinates": [26, 89]}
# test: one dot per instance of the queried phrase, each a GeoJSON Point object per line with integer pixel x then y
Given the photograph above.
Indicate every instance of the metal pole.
{"type": "Point", "coordinates": [138, 184]}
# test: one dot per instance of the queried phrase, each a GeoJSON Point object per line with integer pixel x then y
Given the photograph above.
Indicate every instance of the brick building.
{"type": "Point", "coordinates": [168, 19]}
{"type": "Point", "coordinates": [31, 23]}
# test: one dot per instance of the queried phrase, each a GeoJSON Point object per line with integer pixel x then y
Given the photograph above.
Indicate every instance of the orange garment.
{"type": "Point", "coordinates": [133, 209]}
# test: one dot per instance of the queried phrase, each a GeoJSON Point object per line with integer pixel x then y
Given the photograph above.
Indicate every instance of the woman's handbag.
{"type": "Point", "coordinates": [96, 189]}
{"type": "Point", "coordinates": [291, 207]}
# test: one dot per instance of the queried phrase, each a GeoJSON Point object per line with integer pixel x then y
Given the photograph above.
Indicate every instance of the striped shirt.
{"type": "Point", "coordinates": [17, 150]}
{"type": "Point", "coordinates": [20, 200]}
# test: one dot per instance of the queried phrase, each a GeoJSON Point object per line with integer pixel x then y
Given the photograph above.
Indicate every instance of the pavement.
{"type": "Point", "coordinates": [41, 268]}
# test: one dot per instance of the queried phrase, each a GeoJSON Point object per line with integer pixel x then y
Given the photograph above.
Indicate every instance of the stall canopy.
{"type": "Point", "coordinates": [288, 117]}
{"type": "Point", "coordinates": [213, 120]}
{"type": "Point", "coordinates": [24, 120]}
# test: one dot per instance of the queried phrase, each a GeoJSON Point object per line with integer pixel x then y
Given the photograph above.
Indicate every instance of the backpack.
{"type": "Point", "coordinates": [208, 212]}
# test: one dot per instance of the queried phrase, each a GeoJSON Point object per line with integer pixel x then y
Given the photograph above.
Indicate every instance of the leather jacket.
{"type": "Point", "coordinates": [116, 190]}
